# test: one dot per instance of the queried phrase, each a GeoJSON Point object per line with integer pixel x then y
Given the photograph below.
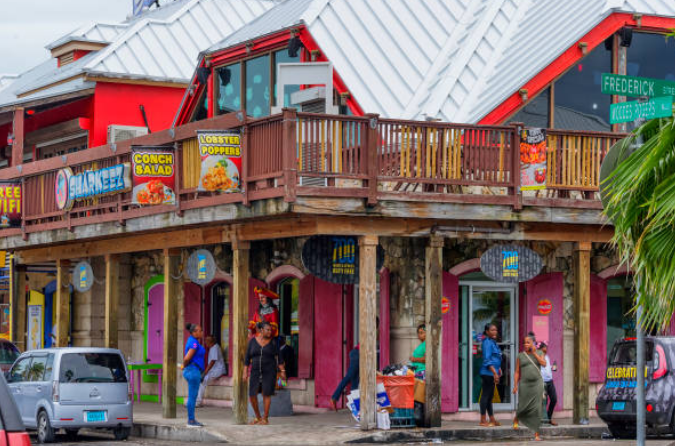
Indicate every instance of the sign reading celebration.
{"type": "Point", "coordinates": [335, 258]}
{"type": "Point", "coordinates": [220, 154]}
{"type": "Point", "coordinates": [69, 187]}
{"type": "Point", "coordinates": [510, 263]}
{"type": "Point", "coordinates": [532, 159]}
{"type": "Point", "coordinates": [154, 175]}
{"type": "Point", "coordinates": [10, 204]}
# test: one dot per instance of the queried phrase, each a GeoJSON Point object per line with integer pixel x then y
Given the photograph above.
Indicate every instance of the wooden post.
{"type": "Point", "coordinates": [18, 130]}
{"type": "Point", "coordinates": [112, 300]}
{"type": "Point", "coordinates": [17, 304]}
{"type": "Point", "coordinates": [62, 302]}
{"type": "Point", "coordinates": [241, 273]}
{"type": "Point", "coordinates": [169, 348]}
{"type": "Point", "coordinates": [367, 331]}
{"type": "Point", "coordinates": [433, 284]}
{"type": "Point", "coordinates": [245, 161]}
{"type": "Point", "coordinates": [582, 327]}
{"type": "Point", "coordinates": [372, 168]}
{"type": "Point", "coordinates": [289, 153]}
{"type": "Point", "coordinates": [515, 166]}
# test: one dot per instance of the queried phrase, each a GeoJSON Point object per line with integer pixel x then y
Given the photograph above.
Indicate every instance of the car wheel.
{"type": "Point", "coordinates": [71, 434]}
{"type": "Point", "coordinates": [121, 433]}
{"type": "Point", "coordinates": [619, 431]}
{"type": "Point", "coordinates": [45, 432]}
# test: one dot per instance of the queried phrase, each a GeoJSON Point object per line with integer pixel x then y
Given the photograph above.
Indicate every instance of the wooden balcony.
{"type": "Point", "coordinates": [294, 155]}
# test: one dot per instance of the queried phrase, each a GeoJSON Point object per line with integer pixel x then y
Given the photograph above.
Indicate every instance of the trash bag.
{"type": "Point", "coordinates": [401, 390]}
{"type": "Point", "coordinates": [419, 414]}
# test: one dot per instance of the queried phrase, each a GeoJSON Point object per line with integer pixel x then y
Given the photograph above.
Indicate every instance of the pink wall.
{"type": "Point", "coordinates": [598, 334]}
{"type": "Point", "coordinates": [328, 325]}
{"type": "Point", "coordinates": [449, 355]}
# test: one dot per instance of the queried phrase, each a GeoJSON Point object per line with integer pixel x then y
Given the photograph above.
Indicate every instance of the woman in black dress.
{"type": "Point", "coordinates": [262, 358]}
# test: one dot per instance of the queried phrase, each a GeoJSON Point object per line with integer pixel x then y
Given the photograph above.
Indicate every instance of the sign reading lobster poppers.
{"type": "Point", "coordinates": [510, 263]}
{"type": "Point", "coordinates": [532, 159]}
{"type": "Point", "coordinates": [69, 187]}
{"type": "Point", "coordinates": [154, 175]}
{"type": "Point", "coordinates": [220, 153]}
{"type": "Point", "coordinates": [10, 204]}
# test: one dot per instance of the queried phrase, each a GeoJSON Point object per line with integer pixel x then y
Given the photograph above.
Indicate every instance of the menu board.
{"type": "Point", "coordinates": [532, 159]}
{"type": "Point", "coordinates": [220, 153]}
{"type": "Point", "coordinates": [154, 175]}
{"type": "Point", "coordinates": [10, 204]}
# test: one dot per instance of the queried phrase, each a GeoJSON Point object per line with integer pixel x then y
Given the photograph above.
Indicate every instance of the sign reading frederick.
{"type": "Point", "coordinates": [154, 175]}
{"type": "Point", "coordinates": [335, 258]}
{"type": "Point", "coordinates": [621, 85]}
{"type": "Point", "coordinates": [10, 204]}
{"type": "Point", "coordinates": [70, 187]}
{"type": "Point", "coordinates": [510, 263]}
{"type": "Point", "coordinates": [532, 159]}
{"type": "Point", "coordinates": [220, 154]}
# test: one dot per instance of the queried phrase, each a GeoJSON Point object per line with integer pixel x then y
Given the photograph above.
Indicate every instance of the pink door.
{"type": "Point", "coordinates": [598, 333]}
{"type": "Point", "coordinates": [328, 348]}
{"type": "Point", "coordinates": [384, 318]}
{"type": "Point", "coordinates": [450, 341]}
{"type": "Point", "coordinates": [192, 307]}
{"type": "Point", "coordinates": [155, 340]}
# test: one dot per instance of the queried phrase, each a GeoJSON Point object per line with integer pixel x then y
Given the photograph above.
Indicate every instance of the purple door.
{"type": "Point", "coordinates": [155, 332]}
{"type": "Point", "coordinates": [450, 345]}
{"type": "Point", "coordinates": [328, 314]}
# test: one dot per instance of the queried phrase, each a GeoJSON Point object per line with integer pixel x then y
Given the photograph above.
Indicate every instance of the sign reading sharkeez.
{"type": "Point", "coordinates": [335, 258]}
{"type": "Point", "coordinates": [510, 263]}
{"type": "Point", "coordinates": [221, 161]}
{"type": "Point", "coordinates": [69, 187]}
{"type": "Point", "coordinates": [532, 159]}
{"type": "Point", "coordinates": [154, 175]}
{"type": "Point", "coordinates": [10, 204]}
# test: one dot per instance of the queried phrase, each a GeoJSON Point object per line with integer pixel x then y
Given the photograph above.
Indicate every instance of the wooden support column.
{"type": "Point", "coordinates": [582, 327]}
{"type": "Point", "coordinates": [170, 347]}
{"type": "Point", "coordinates": [62, 302]}
{"type": "Point", "coordinates": [433, 285]}
{"type": "Point", "coordinates": [367, 332]}
{"type": "Point", "coordinates": [17, 304]}
{"type": "Point", "coordinates": [241, 274]}
{"type": "Point", "coordinates": [18, 131]}
{"type": "Point", "coordinates": [112, 300]}
{"type": "Point", "coordinates": [289, 148]}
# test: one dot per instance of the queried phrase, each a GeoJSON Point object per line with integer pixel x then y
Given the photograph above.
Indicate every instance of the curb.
{"type": "Point", "coordinates": [175, 433]}
{"type": "Point", "coordinates": [480, 434]}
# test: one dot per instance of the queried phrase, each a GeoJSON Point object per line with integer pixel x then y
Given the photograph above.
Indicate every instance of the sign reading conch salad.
{"type": "Point", "coordinates": [220, 154]}
{"type": "Point", "coordinates": [532, 159]}
{"type": "Point", "coordinates": [10, 204]}
{"type": "Point", "coordinates": [154, 175]}
{"type": "Point", "coordinates": [70, 187]}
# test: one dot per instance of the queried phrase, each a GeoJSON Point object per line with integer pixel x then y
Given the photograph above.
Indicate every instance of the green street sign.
{"type": "Point", "coordinates": [630, 111]}
{"type": "Point", "coordinates": [636, 86]}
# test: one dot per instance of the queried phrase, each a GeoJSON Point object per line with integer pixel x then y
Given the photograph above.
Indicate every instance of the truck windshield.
{"type": "Point", "coordinates": [626, 353]}
{"type": "Point", "coordinates": [92, 368]}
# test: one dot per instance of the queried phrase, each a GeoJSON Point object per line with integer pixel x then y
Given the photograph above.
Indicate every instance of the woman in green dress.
{"type": "Point", "coordinates": [529, 385]}
{"type": "Point", "coordinates": [418, 357]}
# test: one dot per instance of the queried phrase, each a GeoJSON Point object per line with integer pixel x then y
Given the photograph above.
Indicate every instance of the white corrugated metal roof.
{"type": "Point", "coordinates": [161, 45]}
{"type": "Point", "coordinates": [450, 59]}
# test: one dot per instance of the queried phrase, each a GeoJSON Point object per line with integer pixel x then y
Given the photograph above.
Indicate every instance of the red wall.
{"type": "Point", "coordinates": [120, 104]}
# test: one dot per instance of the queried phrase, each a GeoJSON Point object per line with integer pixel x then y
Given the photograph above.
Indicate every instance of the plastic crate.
{"type": "Point", "coordinates": [402, 418]}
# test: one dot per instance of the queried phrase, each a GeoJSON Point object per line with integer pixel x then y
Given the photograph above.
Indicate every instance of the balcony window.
{"type": "Point", "coordinates": [283, 57]}
{"type": "Point", "coordinates": [536, 112]}
{"type": "Point", "coordinates": [229, 89]}
{"type": "Point", "coordinates": [258, 86]}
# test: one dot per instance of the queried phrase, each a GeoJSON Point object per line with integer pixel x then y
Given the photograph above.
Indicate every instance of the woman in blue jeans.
{"type": "Point", "coordinates": [193, 366]}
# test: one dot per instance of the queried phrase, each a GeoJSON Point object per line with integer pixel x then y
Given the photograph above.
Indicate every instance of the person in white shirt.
{"type": "Point", "coordinates": [549, 387]}
{"type": "Point", "coordinates": [214, 369]}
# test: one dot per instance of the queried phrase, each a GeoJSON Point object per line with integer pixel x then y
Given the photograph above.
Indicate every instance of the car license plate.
{"type": "Point", "coordinates": [95, 416]}
{"type": "Point", "coordinates": [619, 405]}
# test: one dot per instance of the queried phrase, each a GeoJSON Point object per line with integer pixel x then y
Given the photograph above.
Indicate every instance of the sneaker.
{"type": "Point", "coordinates": [194, 423]}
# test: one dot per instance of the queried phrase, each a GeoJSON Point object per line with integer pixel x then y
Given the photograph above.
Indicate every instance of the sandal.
{"type": "Point", "coordinates": [255, 421]}
{"type": "Point", "coordinates": [482, 424]}
{"type": "Point", "coordinates": [264, 421]}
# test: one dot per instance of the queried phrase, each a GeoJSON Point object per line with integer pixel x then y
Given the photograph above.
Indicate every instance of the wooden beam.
{"type": "Point", "coordinates": [17, 304]}
{"type": "Point", "coordinates": [433, 285]}
{"type": "Point", "coordinates": [62, 302]}
{"type": "Point", "coordinates": [17, 143]}
{"type": "Point", "coordinates": [241, 272]}
{"type": "Point", "coordinates": [53, 132]}
{"type": "Point", "coordinates": [112, 300]}
{"type": "Point", "coordinates": [367, 332]}
{"type": "Point", "coordinates": [169, 361]}
{"type": "Point", "coordinates": [582, 326]}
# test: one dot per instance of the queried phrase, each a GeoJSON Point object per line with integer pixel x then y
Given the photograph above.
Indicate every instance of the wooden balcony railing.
{"type": "Point", "coordinates": [300, 154]}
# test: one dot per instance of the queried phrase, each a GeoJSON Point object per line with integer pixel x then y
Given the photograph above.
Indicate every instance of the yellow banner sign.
{"type": "Point", "coordinates": [623, 372]}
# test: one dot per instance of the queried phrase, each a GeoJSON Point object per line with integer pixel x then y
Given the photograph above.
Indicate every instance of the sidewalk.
{"type": "Point", "coordinates": [322, 427]}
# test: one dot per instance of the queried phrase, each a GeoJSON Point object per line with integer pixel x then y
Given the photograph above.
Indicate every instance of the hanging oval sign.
{"type": "Point", "coordinates": [335, 258]}
{"type": "Point", "coordinates": [544, 306]}
{"type": "Point", "coordinates": [445, 305]}
{"type": "Point", "coordinates": [201, 268]}
{"type": "Point", "coordinates": [510, 263]}
{"type": "Point", "coordinates": [82, 277]}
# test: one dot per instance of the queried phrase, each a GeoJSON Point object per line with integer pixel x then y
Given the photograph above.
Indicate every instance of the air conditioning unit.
{"type": "Point", "coordinates": [117, 133]}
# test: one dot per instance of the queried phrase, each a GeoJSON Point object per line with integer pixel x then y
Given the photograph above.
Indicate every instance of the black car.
{"type": "Point", "coordinates": [617, 400]}
{"type": "Point", "coordinates": [12, 431]}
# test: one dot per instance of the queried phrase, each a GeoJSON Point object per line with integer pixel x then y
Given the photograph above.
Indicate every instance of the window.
{"type": "Point", "coordinates": [258, 86]}
{"type": "Point", "coordinates": [229, 89]}
{"type": "Point", "coordinates": [536, 112]}
{"type": "Point", "coordinates": [92, 368]}
{"type": "Point", "coordinates": [626, 353]}
{"type": "Point", "coordinates": [620, 322]}
{"type": "Point", "coordinates": [201, 111]}
{"type": "Point", "coordinates": [289, 329]}
{"type": "Point", "coordinates": [220, 316]}
{"type": "Point", "coordinates": [8, 353]}
{"type": "Point", "coordinates": [36, 371]}
{"type": "Point", "coordinates": [651, 55]}
{"type": "Point", "coordinates": [282, 56]}
{"type": "Point", "coordinates": [19, 372]}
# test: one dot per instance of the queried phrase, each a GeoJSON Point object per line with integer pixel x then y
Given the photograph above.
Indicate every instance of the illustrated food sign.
{"type": "Point", "coordinates": [544, 306]}
{"type": "Point", "coordinates": [201, 267]}
{"type": "Point", "coordinates": [532, 159]}
{"type": "Point", "coordinates": [10, 204]}
{"type": "Point", "coordinates": [510, 263]}
{"type": "Point", "coordinates": [220, 154]}
{"type": "Point", "coordinates": [69, 187]}
{"type": "Point", "coordinates": [154, 176]}
{"type": "Point", "coordinates": [335, 258]}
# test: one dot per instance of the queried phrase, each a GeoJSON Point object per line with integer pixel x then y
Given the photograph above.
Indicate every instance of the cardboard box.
{"type": "Point", "coordinates": [420, 391]}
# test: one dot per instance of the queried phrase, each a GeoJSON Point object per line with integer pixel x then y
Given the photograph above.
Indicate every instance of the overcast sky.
{"type": "Point", "coordinates": [27, 26]}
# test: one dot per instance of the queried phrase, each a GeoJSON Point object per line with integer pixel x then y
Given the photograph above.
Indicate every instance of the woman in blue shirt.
{"type": "Point", "coordinates": [490, 372]}
{"type": "Point", "coordinates": [193, 366]}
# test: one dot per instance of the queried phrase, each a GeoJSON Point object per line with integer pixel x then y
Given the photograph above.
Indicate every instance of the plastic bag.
{"type": "Point", "coordinates": [383, 421]}
{"type": "Point", "coordinates": [401, 390]}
